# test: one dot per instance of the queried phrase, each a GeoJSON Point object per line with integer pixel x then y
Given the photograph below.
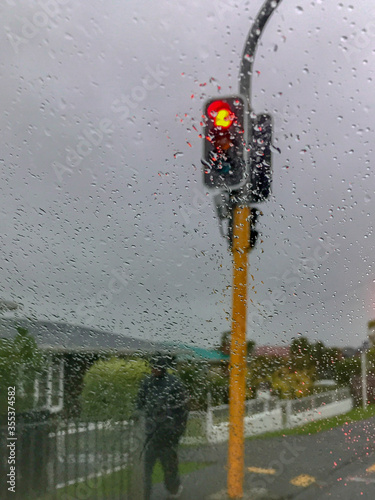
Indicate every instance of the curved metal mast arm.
{"type": "Point", "coordinates": [246, 70]}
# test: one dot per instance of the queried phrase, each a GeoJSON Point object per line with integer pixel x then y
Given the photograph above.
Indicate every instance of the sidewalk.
{"type": "Point", "coordinates": [210, 483]}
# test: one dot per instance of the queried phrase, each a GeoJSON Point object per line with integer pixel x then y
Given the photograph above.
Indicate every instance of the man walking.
{"type": "Point", "coordinates": [163, 399]}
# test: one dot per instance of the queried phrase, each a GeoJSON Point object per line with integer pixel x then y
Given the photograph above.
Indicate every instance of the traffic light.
{"type": "Point", "coordinates": [224, 149]}
{"type": "Point", "coordinates": [260, 158]}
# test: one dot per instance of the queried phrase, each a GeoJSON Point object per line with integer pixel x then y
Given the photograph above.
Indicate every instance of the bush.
{"type": "Point", "coordinates": [194, 378]}
{"type": "Point", "coordinates": [287, 381]}
{"type": "Point", "coordinates": [199, 381]}
{"type": "Point", "coordinates": [218, 386]}
{"type": "Point", "coordinates": [346, 369]}
{"type": "Point", "coordinates": [291, 384]}
{"type": "Point", "coordinates": [110, 388]}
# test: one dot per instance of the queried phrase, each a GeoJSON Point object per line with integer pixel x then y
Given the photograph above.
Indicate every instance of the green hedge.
{"type": "Point", "coordinates": [110, 388]}
{"type": "Point", "coordinates": [20, 363]}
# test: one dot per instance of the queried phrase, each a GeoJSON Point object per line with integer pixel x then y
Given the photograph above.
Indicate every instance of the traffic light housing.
{"type": "Point", "coordinates": [260, 158]}
{"type": "Point", "coordinates": [224, 150]}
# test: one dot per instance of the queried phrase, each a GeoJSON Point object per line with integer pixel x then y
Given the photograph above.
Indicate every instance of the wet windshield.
{"type": "Point", "coordinates": [187, 305]}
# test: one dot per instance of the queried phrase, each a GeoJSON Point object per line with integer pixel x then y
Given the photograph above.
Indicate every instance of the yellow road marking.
{"type": "Point", "coordinates": [259, 470]}
{"type": "Point", "coordinates": [303, 480]}
{"type": "Point", "coordinates": [371, 469]}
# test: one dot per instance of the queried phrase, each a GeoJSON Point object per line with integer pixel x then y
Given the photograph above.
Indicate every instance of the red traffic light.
{"type": "Point", "coordinates": [224, 152]}
{"type": "Point", "coordinates": [221, 114]}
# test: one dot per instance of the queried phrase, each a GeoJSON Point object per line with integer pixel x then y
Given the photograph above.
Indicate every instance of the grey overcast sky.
{"type": "Point", "coordinates": [104, 218]}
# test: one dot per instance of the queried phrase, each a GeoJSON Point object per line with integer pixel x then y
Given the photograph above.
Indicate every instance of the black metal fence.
{"type": "Point", "coordinates": [73, 460]}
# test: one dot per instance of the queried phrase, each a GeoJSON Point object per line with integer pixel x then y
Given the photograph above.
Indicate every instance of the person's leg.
{"type": "Point", "coordinates": [151, 455]}
{"type": "Point", "coordinates": [169, 461]}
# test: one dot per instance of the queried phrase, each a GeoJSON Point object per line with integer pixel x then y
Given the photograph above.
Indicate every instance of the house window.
{"type": "Point", "coordinates": [56, 384]}
{"type": "Point", "coordinates": [49, 388]}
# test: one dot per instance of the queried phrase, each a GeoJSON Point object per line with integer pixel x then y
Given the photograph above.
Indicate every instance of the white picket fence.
{"type": "Point", "coordinates": [266, 415]}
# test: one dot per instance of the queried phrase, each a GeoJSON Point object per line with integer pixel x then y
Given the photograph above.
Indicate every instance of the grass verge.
{"type": "Point", "coordinates": [324, 424]}
{"type": "Point", "coordinates": [114, 484]}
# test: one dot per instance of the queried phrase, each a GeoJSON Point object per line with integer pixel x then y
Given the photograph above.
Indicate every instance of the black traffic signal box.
{"type": "Point", "coordinates": [225, 135]}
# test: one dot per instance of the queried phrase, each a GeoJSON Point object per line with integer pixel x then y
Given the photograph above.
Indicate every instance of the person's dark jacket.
{"type": "Point", "coordinates": [164, 401]}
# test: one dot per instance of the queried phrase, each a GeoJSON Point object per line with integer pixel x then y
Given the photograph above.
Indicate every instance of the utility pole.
{"type": "Point", "coordinates": [364, 377]}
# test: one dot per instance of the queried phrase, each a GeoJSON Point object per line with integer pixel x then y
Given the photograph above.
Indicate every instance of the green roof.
{"type": "Point", "coordinates": [189, 352]}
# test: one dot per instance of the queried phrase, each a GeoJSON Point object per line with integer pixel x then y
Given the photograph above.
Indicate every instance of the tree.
{"type": "Point", "coordinates": [110, 388]}
{"type": "Point", "coordinates": [318, 356]}
{"type": "Point", "coordinates": [371, 360]}
{"type": "Point", "coordinates": [20, 364]}
{"type": "Point", "coordinates": [301, 353]}
{"type": "Point", "coordinates": [346, 369]}
{"type": "Point", "coordinates": [224, 347]}
{"type": "Point", "coordinates": [330, 358]}
{"type": "Point", "coordinates": [250, 346]}
{"type": "Point", "coordinates": [261, 369]}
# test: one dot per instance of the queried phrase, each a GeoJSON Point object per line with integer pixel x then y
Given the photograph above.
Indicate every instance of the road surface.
{"type": "Point", "coordinates": [334, 464]}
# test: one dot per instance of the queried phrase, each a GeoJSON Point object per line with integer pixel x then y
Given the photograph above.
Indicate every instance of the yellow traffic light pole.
{"type": "Point", "coordinates": [240, 247]}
